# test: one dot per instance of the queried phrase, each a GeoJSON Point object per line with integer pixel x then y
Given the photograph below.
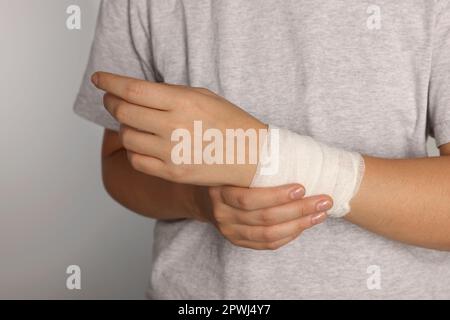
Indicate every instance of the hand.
{"type": "Point", "coordinates": [264, 218]}
{"type": "Point", "coordinates": [149, 114]}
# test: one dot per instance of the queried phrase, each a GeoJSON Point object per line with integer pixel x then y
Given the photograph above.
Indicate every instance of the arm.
{"type": "Point", "coordinates": [406, 200]}
{"type": "Point", "coordinates": [144, 194]}
{"type": "Point", "coordinates": [416, 191]}
{"type": "Point", "coordinates": [266, 218]}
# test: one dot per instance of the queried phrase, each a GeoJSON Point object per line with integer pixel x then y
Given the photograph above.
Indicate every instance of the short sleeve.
{"type": "Point", "coordinates": [121, 45]}
{"type": "Point", "coordinates": [439, 94]}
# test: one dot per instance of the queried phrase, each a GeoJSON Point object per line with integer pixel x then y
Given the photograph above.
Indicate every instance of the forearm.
{"type": "Point", "coordinates": [406, 200]}
{"type": "Point", "coordinates": [147, 195]}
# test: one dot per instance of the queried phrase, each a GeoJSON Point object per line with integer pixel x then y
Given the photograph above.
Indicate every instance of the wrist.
{"type": "Point", "coordinates": [245, 173]}
{"type": "Point", "coordinates": [200, 204]}
{"type": "Point", "coordinates": [321, 169]}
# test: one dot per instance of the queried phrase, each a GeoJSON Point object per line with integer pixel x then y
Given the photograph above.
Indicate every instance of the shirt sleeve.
{"type": "Point", "coordinates": [121, 45]}
{"type": "Point", "coordinates": [439, 94]}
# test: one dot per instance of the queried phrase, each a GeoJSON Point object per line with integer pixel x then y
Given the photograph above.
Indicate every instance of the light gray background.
{"type": "Point", "coordinates": [53, 209]}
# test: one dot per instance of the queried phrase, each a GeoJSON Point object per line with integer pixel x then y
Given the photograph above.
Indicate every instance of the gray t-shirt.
{"type": "Point", "coordinates": [368, 76]}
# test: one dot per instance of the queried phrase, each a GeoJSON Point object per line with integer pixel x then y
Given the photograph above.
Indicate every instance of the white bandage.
{"type": "Point", "coordinates": [287, 157]}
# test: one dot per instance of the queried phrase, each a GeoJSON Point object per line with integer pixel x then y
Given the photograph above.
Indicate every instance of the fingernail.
{"type": "Point", "coordinates": [324, 205]}
{"type": "Point", "coordinates": [94, 79]}
{"type": "Point", "coordinates": [297, 194]}
{"type": "Point", "coordinates": [318, 218]}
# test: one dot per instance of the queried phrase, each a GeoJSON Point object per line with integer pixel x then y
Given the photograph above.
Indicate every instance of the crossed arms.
{"type": "Point", "coordinates": [407, 200]}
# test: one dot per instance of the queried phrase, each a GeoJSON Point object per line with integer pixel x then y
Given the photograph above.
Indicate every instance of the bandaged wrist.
{"type": "Point", "coordinates": [287, 157]}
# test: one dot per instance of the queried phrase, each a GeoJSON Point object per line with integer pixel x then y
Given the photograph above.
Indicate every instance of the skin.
{"type": "Point", "coordinates": [407, 200]}
{"type": "Point", "coordinates": [252, 218]}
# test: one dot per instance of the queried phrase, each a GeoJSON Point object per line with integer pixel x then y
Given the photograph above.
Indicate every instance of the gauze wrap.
{"type": "Point", "coordinates": [287, 157]}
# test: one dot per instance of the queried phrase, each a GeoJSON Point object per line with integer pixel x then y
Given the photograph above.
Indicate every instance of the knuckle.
{"type": "Point", "coordinates": [300, 226]}
{"type": "Point", "coordinates": [220, 217]}
{"type": "Point", "coordinates": [243, 201]}
{"type": "Point", "coordinates": [121, 112]}
{"type": "Point", "coordinates": [248, 234]}
{"type": "Point", "coordinates": [269, 234]}
{"type": "Point", "coordinates": [267, 217]}
{"type": "Point", "coordinates": [177, 173]}
{"type": "Point", "coordinates": [134, 89]}
{"type": "Point", "coordinates": [135, 161]}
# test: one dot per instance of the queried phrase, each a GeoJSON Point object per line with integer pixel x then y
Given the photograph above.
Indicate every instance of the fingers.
{"type": "Point", "coordinates": [140, 92]}
{"type": "Point", "coordinates": [281, 214]}
{"type": "Point", "coordinates": [266, 246]}
{"type": "Point", "coordinates": [259, 198]}
{"type": "Point", "coordinates": [144, 143]}
{"type": "Point", "coordinates": [156, 167]}
{"type": "Point", "coordinates": [141, 118]}
{"type": "Point", "coordinates": [270, 227]}
{"type": "Point", "coordinates": [267, 234]}
{"type": "Point", "coordinates": [148, 165]}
